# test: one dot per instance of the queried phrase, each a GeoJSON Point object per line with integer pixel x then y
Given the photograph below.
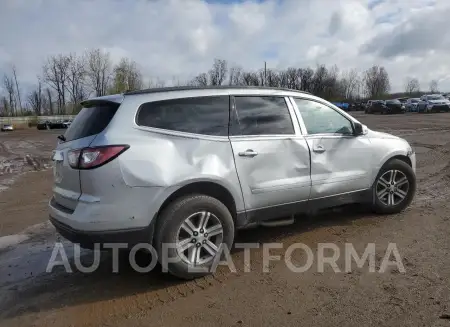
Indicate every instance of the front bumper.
{"type": "Point", "coordinates": [412, 158]}
{"type": "Point", "coordinates": [438, 108]}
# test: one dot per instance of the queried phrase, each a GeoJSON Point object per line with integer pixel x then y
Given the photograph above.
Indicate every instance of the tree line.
{"type": "Point", "coordinates": [67, 79]}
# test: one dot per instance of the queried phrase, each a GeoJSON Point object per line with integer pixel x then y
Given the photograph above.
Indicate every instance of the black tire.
{"type": "Point", "coordinates": [394, 164]}
{"type": "Point", "coordinates": [174, 215]}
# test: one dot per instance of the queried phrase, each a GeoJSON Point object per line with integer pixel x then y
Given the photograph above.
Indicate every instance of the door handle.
{"type": "Point", "coordinates": [319, 149]}
{"type": "Point", "coordinates": [248, 153]}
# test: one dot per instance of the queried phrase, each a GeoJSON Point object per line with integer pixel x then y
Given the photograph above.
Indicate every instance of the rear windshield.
{"type": "Point", "coordinates": [90, 121]}
{"type": "Point", "coordinates": [393, 102]}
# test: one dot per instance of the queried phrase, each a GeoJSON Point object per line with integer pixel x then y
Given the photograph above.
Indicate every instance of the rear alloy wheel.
{"type": "Point", "coordinates": [394, 187]}
{"type": "Point", "coordinates": [196, 226]}
{"type": "Point", "coordinates": [199, 238]}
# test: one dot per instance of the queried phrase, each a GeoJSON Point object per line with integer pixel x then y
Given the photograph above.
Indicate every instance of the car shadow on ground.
{"type": "Point", "coordinates": [61, 289]}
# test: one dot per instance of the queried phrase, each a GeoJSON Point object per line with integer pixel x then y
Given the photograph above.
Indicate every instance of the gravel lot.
{"type": "Point", "coordinates": [418, 297]}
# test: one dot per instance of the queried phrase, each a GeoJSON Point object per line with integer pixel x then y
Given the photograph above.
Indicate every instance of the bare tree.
{"type": "Point", "coordinates": [218, 72]}
{"type": "Point", "coordinates": [434, 86]}
{"type": "Point", "coordinates": [306, 77]}
{"type": "Point", "coordinates": [126, 76]}
{"type": "Point", "coordinates": [235, 76]}
{"type": "Point", "coordinates": [331, 85]}
{"type": "Point", "coordinates": [155, 83]}
{"type": "Point", "coordinates": [292, 78]}
{"type": "Point", "coordinates": [49, 101]}
{"type": "Point", "coordinates": [176, 82]}
{"type": "Point", "coordinates": [98, 69]}
{"type": "Point", "coordinates": [251, 79]}
{"type": "Point", "coordinates": [56, 71]}
{"type": "Point", "coordinates": [35, 99]}
{"type": "Point", "coordinates": [272, 78]}
{"type": "Point", "coordinates": [200, 80]}
{"type": "Point", "coordinates": [76, 79]}
{"type": "Point", "coordinates": [319, 80]}
{"type": "Point", "coordinates": [412, 85]}
{"type": "Point", "coordinates": [5, 106]}
{"type": "Point", "coordinates": [19, 100]}
{"type": "Point", "coordinates": [8, 83]}
{"type": "Point", "coordinates": [349, 84]}
{"type": "Point", "coordinates": [376, 82]}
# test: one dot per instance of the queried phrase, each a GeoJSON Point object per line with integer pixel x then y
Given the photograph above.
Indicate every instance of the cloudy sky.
{"type": "Point", "coordinates": [180, 38]}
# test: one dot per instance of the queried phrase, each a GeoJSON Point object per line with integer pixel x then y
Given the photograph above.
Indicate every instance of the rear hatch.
{"type": "Point", "coordinates": [92, 120]}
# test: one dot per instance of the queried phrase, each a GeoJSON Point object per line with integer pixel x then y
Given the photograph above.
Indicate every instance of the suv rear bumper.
{"type": "Point", "coordinates": [89, 239]}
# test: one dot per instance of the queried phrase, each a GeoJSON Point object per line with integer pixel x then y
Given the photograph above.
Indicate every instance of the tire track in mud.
{"type": "Point", "coordinates": [18, 157]}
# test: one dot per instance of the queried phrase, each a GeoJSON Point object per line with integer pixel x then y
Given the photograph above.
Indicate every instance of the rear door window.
{"type": "Point", "coordinates": [91, 121]}
{"type": "Point", "coordinates": [261, 115]}
{"type": "Point", "coordinates": [199, 115]}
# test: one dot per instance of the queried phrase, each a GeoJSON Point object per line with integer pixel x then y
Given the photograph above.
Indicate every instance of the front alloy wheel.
{"type": "Point", "coordinates": [392, 187]}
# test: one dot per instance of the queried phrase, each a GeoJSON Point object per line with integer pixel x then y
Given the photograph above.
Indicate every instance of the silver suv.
{"type": "Point", "coordinates": [189, 166]}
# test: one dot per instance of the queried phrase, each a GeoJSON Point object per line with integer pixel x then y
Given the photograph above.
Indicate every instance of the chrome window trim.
{"type": "Point", "coordinates": [181, 134]}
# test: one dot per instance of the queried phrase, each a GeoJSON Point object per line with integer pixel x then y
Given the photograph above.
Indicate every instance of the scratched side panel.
{"type": "Point", "coordinates": [156, 164]}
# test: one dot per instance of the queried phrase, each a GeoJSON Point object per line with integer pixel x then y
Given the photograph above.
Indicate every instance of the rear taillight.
{"type": "Point", "coordinates": [89, 158]}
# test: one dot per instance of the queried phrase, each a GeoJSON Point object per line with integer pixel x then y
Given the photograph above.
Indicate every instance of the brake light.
{"type": "Point", "coordinates": [90, 158]}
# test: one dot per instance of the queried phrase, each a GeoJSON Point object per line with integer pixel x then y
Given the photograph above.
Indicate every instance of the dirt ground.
{"type": "Point", "coordinates": [418, 297]}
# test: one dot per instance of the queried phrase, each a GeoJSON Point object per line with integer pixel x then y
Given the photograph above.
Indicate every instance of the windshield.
{"type": "Point", "coordinates": [393, 102]}
{"type": "Point", "coordinates": [435, 97]}
{"type": "Point", "coordinates": [414, 100]}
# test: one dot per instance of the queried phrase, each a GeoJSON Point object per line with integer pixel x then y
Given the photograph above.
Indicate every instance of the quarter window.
{"type": "Point", "coordinates": [261, 115]}
{"type": "Point", "coordinates": [320, 119]}
{"type": "Point", "coordinates": [201, 115]}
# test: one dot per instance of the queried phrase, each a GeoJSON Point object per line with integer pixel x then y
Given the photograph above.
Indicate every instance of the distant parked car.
{"type": "Point", "coordinates": [374, 106]}
{"type": "Point", "coordinates": [341, 105]}
{"type": "Point", "coordinates": [44, 125]}
{"type": "Point", "coordinates": [368, 104]}
{"type": "Point", "coordinates": [53, 125]}
{"type": "Point", "coordinates": [394, 107]}
{"type": "Point", "coordinates": [386, 107]}
{"type": "Point", "coordinates": [433, 103]}
{"type": "Point", "coordinates": [7, 128]}
{"type": "Point", "coordinates": [411, 104]}
{"type": "Point", "coordinates": [356, 106]}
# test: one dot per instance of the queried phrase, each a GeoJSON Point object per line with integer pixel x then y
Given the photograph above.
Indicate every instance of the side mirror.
{"type": "Point", "coordinates": [358, 129]}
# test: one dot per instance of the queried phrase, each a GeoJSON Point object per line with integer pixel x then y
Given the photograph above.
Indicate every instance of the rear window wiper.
{"type": "Point", "coordinates": [62, 138]}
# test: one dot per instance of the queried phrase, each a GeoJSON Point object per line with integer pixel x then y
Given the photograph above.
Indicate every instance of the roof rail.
{"type": "Point", "coordinates": [215, 87]}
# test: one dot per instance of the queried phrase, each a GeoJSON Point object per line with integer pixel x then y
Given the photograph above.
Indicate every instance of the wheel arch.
{"type": "Point", "coordinates": [206, 187]}
{"type": "Point", "coordinates": [399, 155]}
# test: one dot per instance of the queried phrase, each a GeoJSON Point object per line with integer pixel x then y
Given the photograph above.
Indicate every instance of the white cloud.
{"type": "Point", "coordinates": [180, 38]}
